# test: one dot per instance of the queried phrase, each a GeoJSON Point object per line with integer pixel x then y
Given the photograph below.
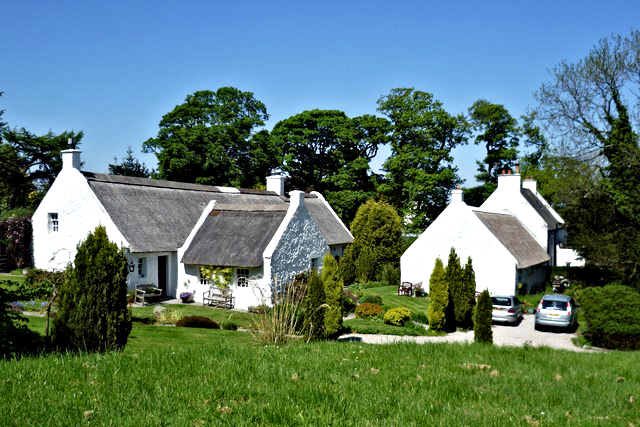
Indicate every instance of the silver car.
{"type": "Point", "coordinates": [506, 308]}
{"type": "Point", "coordinates": [556, 310]}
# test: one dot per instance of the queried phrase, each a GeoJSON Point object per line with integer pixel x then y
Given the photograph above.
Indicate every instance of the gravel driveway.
{"type": "Point", "coordinates": [504, 335]}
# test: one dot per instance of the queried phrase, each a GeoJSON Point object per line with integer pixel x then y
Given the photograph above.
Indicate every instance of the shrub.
{"type": "Point", "coordinates": [365, 265]}
{"type": "Point", "coordinates": [420, 317]}
{"type": "Point", "coordinates": [92, 304]}
{"type": "Point", "coordinates": [197, 322]}
{"type": "Point", "coordinates": [349, 302]}
{"type": "Point", "coordinates": [166, 316]}
{"type": "Point", "coordinates": [371, 298]}
{"type": "Point", "coordinates": [438, 297]}
{"type": "Point", "coordinates": [229, 326]}
{"type": "Point", "coordinates": [314, 306]}
{"type": "Point", "coordinates": [16, 338]}
{"type": "Point", "coordinates": [453, 276]}
{"type": "Point", "coordinates": [280, 323]}
{"type": "Point", "coordinates": [467, 298]}
{"type": "Point", "coordinates": [333, 297]}
{"type": "Point", "coordinates": [482, 323]}
{"type": "Point", "coordinates": [390, 274]}
{"type": "Point", "coordinates": [368, 309]}
{"type": "Point", "coordinates": [612, 316]}
{"type": "Point", "coordinates": [39, 284]}
{"type": "Point", "coordinates": [397, 316]}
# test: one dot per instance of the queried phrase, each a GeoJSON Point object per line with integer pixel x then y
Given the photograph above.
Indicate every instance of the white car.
{"type": "Point", "coordinates": [506, 308]}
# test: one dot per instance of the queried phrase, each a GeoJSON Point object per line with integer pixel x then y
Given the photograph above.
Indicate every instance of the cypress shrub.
{"type": "Point", "coordinates": [333, 296]}
{"type": "Point", "coordinates": [92, 304]}
{"type": "Point", "coordinates": [438, 297]}
{"type": "Point", "coordinates": [314, 306]}
{"type": "Point", "coordinates": [347, 266]}
{"type": "Point", "coordinates": [467, 299]}
{"type": "Point", "coordinates": [612, 314]}
{"type": "Point", "coordinates": [377, 234]}
{"type": "Point", "coordinates": [482, 323]}
{"type": "Point", "coordinates": [453, 277]}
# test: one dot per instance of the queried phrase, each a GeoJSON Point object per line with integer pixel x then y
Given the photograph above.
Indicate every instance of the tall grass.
{"type": "Point", "coordinates": [281, 322]}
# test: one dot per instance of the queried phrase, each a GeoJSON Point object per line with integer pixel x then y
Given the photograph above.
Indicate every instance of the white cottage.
{"type": "Point", "coordinates": [504, 253]}
{"type": "Point", "coordinates": [170, 229]}
{"type": "Point", "coordinates": [523, 200]}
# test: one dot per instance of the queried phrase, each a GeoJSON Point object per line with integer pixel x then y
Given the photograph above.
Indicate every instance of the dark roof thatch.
{"type": "Point", "coordinates": [540, 208]}
{"type": "Point", "coordinates": [232, 237]}
{"type": "Point", "coordinates": [157, 216]}
{"type": "Point", "coordinates": [513, 236]}
{"type": "Point", "coordinates": [333, 230]}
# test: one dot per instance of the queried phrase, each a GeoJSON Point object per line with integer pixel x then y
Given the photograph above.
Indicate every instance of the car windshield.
{"type": "Point", "coordinates": [554, 305]}
{"type": "Point", "coordinates": [501, 301]}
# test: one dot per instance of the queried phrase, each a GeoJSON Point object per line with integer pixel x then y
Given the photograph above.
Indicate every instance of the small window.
{"type": "Point", "coordinates": [142, 267]}
{"type": "Point", "coordinates": [53, 222]}
{"type": "Point", "coordinates": [243, 277]}
{"type": "Point", "coordinates": [204, 280]}
{"type": "Point", "coordinates": [315, 263]}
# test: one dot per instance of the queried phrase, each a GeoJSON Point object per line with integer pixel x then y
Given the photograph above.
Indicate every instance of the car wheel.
{"type": "Point", "coordinates": [536, 326]}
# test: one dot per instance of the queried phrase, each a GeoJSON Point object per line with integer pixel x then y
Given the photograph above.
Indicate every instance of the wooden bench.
{"type": "Point", "coordinates": [405, 288]}
{"type": "Point", "coordinates": [218, 297]}
{"type": "Point", "coordinates": [147, 293]}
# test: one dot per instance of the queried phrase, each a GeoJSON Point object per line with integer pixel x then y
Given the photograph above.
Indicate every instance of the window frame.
{"type": "Point", "coordinates": [53, 222]}
{"type": "Point", "coordinates": [242, 277]}
{"type": "Point", "coordinates": [142, 266]}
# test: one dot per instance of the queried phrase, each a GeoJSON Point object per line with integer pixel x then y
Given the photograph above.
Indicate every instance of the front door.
{"type": "Point", "coordinates": [162, 274]}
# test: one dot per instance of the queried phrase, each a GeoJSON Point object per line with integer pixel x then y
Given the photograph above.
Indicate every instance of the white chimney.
{"type": "Point", "coordinates": [296, 199]}
{"type": "Point", "coordinates": [276, 183]}
{"type": "Point", "coordinates": [71, 159]}
{"type": "Point", "coordinates": [508, 181]}
{"type": "Point", "coordinates": [530, 184]}
{"type": "Point", "coordinates": [456, 195]}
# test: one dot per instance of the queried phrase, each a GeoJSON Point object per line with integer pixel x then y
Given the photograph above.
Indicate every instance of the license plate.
{"type": "Point", "coordinates": [499, 309]}
{"type": "Point", "coordinates": [553, 315]}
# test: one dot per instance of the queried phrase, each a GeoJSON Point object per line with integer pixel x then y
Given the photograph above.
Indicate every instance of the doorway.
{"type": "Point", "coordinates": [162, 274]}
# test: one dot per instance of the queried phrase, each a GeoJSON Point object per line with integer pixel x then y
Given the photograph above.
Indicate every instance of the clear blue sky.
{"type": "Point", "coordinates": [112, 69]}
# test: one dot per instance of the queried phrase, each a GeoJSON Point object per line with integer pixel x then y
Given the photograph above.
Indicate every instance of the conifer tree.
{"type": "Point", "coordinates": [438, 297]}
{"type": "Point", "coordinates": [468, 300]}
{"type": "Point", "coordinates": [333, 296]}
{"type": "Point", "coordinates": [453, 276]}
{"type": "Point", "coordinates": [482, 323]}
{"type": "Point", "coordinates": [314, 306]}
{"type": "Point", "coordinates": [92, 304]}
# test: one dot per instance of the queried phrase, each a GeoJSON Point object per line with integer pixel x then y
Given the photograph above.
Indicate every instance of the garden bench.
{"type": "Point", "coordinates": [218, 297]}
{"type": "Point", "coordinates": [147, 293]}
{"type": "Point", "coordinates": [405, 288]}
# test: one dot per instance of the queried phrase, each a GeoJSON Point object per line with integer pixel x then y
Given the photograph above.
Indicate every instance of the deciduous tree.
{"type": "Point", "coordinates": [420, 171]}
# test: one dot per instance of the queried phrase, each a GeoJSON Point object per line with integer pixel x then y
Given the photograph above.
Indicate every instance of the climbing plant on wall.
{"type": "Point", "coordinates": [221, 276]}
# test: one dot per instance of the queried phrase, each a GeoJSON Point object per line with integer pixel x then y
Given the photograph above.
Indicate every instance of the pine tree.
{"type": "Point", "coordinates": [453, 276]}
{"type": "Point", "coordinates": [482, 323]}
{"type": "Point", "coordinates": [92, 304]}
{"type": "Point", "coordinates": [314, 306]}
{"type": "Point", "coordinates": [438, 297]}
{"type": "Point", "coordinates": [468, 300]}
{"type": "Point", "coordinates": [333, 296]}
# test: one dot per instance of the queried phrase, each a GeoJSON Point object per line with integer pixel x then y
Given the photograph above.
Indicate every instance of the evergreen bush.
{"type": "Point", "coordinates": [453, 277]}
{"type": "Point", "coordinates": [365, 265]}
{"type": "Point", "coordinates": [438, 297]}
{"type": "Point", "coordinates": [612, 314]}
{"type": "Point", "coordinates": [349, 302]}
{"type": "Point", "coordinates": [390, 274]}
{"type": "Point", "coordinates": [314, 307]}
{"type": "Point", "coordinates": [333, 296]}
{"type": "Point", "coordinates": [371, 298]}
{"type": "Point", "coordinates": [92, 303]}
{"type": "Point", "coordinates": [198, 322]}
{"type": "Point", "coordinates": [482, 323]}
{"type": "Point", "coordinates": [397, 316]}
{"type": "Point", "coordinates": [467, 300]}
{"type": "Point", "coordinates": [229, 326]}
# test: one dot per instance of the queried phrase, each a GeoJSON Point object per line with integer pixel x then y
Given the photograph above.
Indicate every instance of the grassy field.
{"type": "Point", "coordinates": [390, 299]}
{"type": "Point", "coordinates": [220, 315]}
{"type": "Point", "coordinates": [182, 376]}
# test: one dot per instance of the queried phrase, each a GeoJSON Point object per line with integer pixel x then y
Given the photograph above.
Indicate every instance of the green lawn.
{"type": "Point", "coordinates": [220, 315]}
{"type": "Point", "coordinates": [390, 299]}
{"type": "Point", "coordinates": [194, 377]}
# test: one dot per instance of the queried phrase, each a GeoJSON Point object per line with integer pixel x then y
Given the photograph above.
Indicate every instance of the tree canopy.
{"type": "Point", "coordinates": [420, 170]}
{"type": "Point", "coordinates": [130, 166]}
{"type": "Point", "coordinates": [213, 138]}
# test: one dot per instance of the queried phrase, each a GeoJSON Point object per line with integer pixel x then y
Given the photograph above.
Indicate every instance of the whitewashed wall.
{"type": "Point", "coordinates": [298, 242]}
{"type": "Point", "coordinates": [151, 275]}
{"type": "Point", "coordinates": [79, 213]}
{"type": "Point", "coordinates": [457, 226]}
{"type": "Point", "coordinates": [507, 197]}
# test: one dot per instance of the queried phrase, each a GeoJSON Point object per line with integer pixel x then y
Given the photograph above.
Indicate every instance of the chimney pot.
{"type": "Point", "coordinates": [276, 183]}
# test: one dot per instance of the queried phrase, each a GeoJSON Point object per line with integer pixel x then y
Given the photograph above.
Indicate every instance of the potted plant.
{"type": "Point", "coordinates": [186, 297]}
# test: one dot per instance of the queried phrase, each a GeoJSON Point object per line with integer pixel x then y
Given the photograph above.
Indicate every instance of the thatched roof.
{"type": "Point", "coordinates": [234, 237]}
{"type": "Point", "coordinates": [515, 237]}
{"type": "Point", "coordinates": [540, 208]}
{"type": "Point", "coordinates": [157, 216]}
